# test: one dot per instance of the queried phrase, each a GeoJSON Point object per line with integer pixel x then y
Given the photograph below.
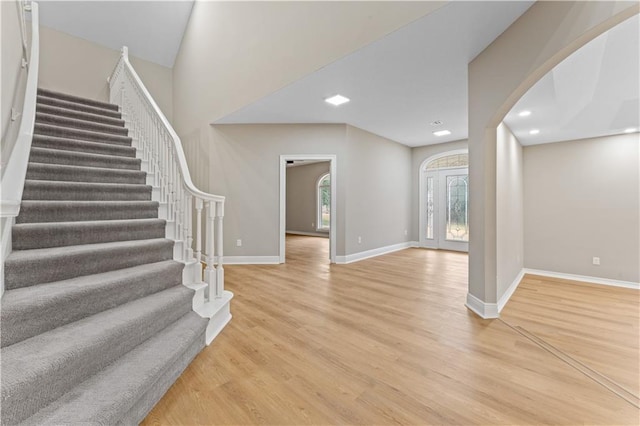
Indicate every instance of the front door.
{"type": "Point", "coordinates": [446, 221]}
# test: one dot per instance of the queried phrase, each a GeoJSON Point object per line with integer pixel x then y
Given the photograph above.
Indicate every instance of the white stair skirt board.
{"type": "Point", "coordinates": [374, 252]}
{"type": "Point", "coordinates": [484, 310]}
{"type": "Point", "coordinates": [251, 260]}
{"type": "Point", "coordinates": [584, 278]}
{"type": "Point", "coordinates": [219, 314]}
{"type": "Point", "coordinates": [510, 290]}
{"type": "Point", "coordinates": [309, 234]}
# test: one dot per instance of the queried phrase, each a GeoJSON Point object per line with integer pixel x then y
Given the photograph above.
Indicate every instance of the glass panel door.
{"type": "Point", "coordinates": [445, 214]}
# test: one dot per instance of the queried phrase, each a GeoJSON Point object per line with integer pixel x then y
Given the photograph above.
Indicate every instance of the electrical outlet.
{"type": "Point", "coordinates": [359, 240]}
{"type": "Point", "coordinates": [238, 243]}
{"type": "Point", "coordinates": [596, 261]}
{"type": "Point", "coordinates": [313, 224]}
{"type": "Point", "coordinates": [406, 232]}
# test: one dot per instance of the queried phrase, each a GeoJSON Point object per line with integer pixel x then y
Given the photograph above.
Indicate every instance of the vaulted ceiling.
{"type": "Point", "coordinates": [401, 84]}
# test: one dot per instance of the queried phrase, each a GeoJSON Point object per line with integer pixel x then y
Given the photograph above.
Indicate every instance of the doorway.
{"type": "Point", "coordinates": [323, 194]}
{"type": "Point", "coordinates": [444, 201]}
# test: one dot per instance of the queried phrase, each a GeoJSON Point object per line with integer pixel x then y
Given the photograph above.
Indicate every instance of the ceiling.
{"type": "Point", "coordinates": [399, 84]}
{"type": "Point", "coordinates": [594, 92]}
{"type": "Point", "coordinates": [152, 30]}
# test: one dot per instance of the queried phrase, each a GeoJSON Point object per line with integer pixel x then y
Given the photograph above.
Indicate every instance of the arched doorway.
{"type": "Point", "coordinates": [444, 201]}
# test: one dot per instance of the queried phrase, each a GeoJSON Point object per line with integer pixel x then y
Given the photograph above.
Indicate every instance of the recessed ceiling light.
{"type": "Point", "coordinates": [442, 133]}
{"type": "Point", "coordinates": [524, 113]}
{"type": "Point", "coordinates": [630, 130]}
{"type": "Point", "coordinates": [436, 123]}
{"type": "Point", "coordinates": [337, 100]}
{"type": "Point", "coordinates": [534, 131]}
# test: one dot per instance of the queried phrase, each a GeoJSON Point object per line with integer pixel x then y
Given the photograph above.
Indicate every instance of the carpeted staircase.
{"type": "Point", "coordinates": [96, 324]}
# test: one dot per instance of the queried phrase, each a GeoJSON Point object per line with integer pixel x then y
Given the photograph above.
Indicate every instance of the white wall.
{"type": "Point", "coordinates": [418, 156]}
{"type": "Point", "coordinates": [509, 209]}
{"type": "Point", "coordinates": [14, 77]}
{"type": "Point", "coordinates": [234, 53]}
{"type": "Point", "coordinates": [73, 65]}
{"type": "Point", "coordinates": [581, 201]}
{"type": "Point", "coordinates": [302, 196]}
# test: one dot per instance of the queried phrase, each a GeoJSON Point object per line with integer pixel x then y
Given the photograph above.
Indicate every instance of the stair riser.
{"type": "Point", "coordinates": [174, 370]}
{"type": "Point", "coordinates": [77, 99]}
{"type": "Point", "coordinates": [60, 235]}
{"type": "Point", "coordinates": [41, 212]}
{"type": "Point", "coordinates": [25, 398]}
{"type": "Point", "coordinates": [70, 113]}
{"type": "Point", "coordinates": [106, 398]}
{"type": "Point", "coordinates": [69, 158]}
{"type": "Point", "coordinates": [80, 124]}
{"type": "Point", "coordinates": [24, 273]}
{"type": "Point", "coordinates": [76, 145]}
{"type": "Point", "coordinates": [78, 107]}
{"type": "Point", "coordinates": [28, 320]}
{"type": "Point", "coordinates": [95, 175]}
{"type": "Point", "coordinates": [39, 190]}
{"type": "Point", "coordinates": [69, 133]}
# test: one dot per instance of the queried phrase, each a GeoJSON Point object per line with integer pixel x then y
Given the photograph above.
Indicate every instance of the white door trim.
{"type": "Point", "coordinates": [421, 189]}
{"type": "Point", "coordinates": [332, 159]}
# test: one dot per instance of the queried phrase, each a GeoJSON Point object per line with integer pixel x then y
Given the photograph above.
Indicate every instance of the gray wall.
{"type": "Point", "coordinates": [14, 77]}
{"type": "Point", "coordinates": [302, 201]}
{"type": "Point", "coordinates": [244, 165]}
{"type": "Point", "coordinates": [373, 181]}
{"type": "Point", "coordinates": [379, 191]}
{"type": "Point", "coordinates": [509, 210]}
{"type": "Point", "coordinates": [582, 200]}
{"type": "Point", "coordinates": [418, 155]}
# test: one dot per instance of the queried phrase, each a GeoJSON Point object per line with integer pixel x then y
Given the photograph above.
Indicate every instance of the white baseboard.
{"type": "Point", "coordinates": [484, 310]}
{"type": "Point", "coordinates": [251, 260]}
{"type": "Point", "coordinates": [309, 234]}
{"type": "Point", "coordinates": [350, 258]}
{"type": "Point", "coordinates": [510, 290]}
{"type": "Point", "coordinates": [584, 278]}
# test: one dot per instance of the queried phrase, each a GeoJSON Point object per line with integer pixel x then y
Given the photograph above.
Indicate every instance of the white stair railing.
{"type": "Point", "coordinates": [163, 159]}
{"type": "Point", "coordinates": [14, 166]}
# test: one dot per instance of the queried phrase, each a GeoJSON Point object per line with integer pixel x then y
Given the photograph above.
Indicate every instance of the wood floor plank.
{"type": "Point", "coordinates": [388, 341]}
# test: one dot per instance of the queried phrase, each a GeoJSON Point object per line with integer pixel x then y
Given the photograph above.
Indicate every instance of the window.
{"type": "Point", "coordinates": [324, 203]}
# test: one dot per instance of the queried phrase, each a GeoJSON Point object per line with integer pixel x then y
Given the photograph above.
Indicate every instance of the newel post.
{"type": "Point", "coordinates": [219, 249]}
{"type": "Point", "coordinates": [210, 275]}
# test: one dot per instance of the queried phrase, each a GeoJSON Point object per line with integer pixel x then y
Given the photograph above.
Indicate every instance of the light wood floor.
{"type": "Point", "coordinates": [382, 341]}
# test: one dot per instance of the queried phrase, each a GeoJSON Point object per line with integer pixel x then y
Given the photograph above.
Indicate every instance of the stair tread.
{"type": "Point", "coordinates": [94, 185]}
{"type": "Point", "coordinates": [51, 252]}
{"type": "Point", "coordinates": [91, 203]}
{"type": "Point", "coordinates": [80, 124]}
{"type": "Point", "coordinates": [77, 99]}
{"type": "Point", "coordinates": [48, 100]}
{"type": "Point", "coordinates": [88, 116]}
{"type": "Point", "coordinates": [81, 223]}
{"type": "Point", "coordinates": [28, 311]}
{"type": "Point", "coordinates": [43, 128]}
{"type": "Point", "coordinates": [28, 236]}
{"type": "Point", "coordinates": [56, 166]}
{"type": "Point", "coordinates": [103, 397]}
{"type": "Point", "coordinates": [85, 155]}
{"type": "Point", "coordinates": [47, 365]}
{"type": "Point", "coordinates": [79, 146]}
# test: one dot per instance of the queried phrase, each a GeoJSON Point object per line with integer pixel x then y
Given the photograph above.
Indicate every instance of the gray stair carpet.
{"type": "Point", "coordinates": [95, 324]}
